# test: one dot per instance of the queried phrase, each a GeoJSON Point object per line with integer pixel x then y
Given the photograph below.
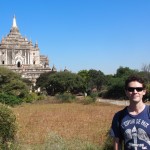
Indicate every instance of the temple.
{"type": "Point", "coordinates": [20, 55]}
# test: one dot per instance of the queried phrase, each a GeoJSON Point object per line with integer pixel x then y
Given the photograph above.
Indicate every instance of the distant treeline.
{"type": "Point", "coordinates": [16, 90]}
{"type": "Point", "coordinates": [91, 81]}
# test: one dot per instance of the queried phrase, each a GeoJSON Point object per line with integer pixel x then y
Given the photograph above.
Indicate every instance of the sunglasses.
{"type": "Point", "coordinates": [138, 89]}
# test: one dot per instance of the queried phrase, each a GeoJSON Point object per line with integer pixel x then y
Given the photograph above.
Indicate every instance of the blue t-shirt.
{"type": "Point", "coordinates": [134, 129]}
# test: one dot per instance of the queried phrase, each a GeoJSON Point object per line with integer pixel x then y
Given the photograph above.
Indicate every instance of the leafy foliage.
{"type": "Point", "coordinates": [8, 126]}
{"type": "Point", "coordinates": [12, 88]}
{"type": "Point", "coordinates": [43, 79]}
{"type": "Point", "coordinates": [89, 81]}
{"type": "Point", "coordinates": [9, 99]}
{"type": "Point", "coordinates": [96, 79]}
{"type": "Point", "coordinates": [61, 82]}
{"type": "Point", "coordinates": [65, 97]}
{"type": "Point", "coordinates": [116, 89]}
{"type": "Point", "coordinates": [124, 72]}
{"type": "Point", "coordinates": [115, 84]}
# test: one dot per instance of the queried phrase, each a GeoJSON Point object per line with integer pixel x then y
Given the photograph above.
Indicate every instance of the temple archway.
{"type": "Point", "coordinates": [18, 64]}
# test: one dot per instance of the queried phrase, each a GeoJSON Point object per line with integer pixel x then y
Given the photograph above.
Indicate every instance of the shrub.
{"type": "Point", "coordinates": [8, 126]}
{"type": "Point", "coordinates": [65, 97]}
{"type": "Point", "coordinates": [94, 96]}
{"type": "Point", "coordinates": [91, 98]}
{"type": "Point", "coordinates": [88, 100]}
{"type": "Point", "coordinates": [115, 91]}
{"type": "Point", "coordinates": [9, 99]}
{"type": "Point", "coordinates": [31, 97]}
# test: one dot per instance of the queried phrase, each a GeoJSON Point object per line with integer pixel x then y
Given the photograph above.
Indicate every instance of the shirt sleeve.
{"type": "Point", "coordinates": [115, 130]}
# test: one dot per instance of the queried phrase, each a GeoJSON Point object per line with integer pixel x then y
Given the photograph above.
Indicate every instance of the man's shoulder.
{"type": "Point", "coordinates": [121, 112]}
{"type": "Point", "coordinates": [120, 115]}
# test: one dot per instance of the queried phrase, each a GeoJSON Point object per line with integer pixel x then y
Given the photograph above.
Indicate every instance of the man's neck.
{"type": "Point", "coordinates": [136, 108]}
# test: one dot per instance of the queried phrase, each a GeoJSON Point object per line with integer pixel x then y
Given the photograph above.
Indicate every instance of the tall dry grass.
{"type": "Point", "coordinates": [68, 120]}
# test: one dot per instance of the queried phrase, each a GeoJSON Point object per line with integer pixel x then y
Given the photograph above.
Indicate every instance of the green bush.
{"type": "Point", "coordinates": [9, 99]}
{"type": "Point", "coordinates": [115, 91]}
{"type": "Point", "coordinates": [91, 98]}
{"type": "Point", "coordinates": [31, 97]}
{"type": "Point", "coordinates": [42, 97]}
{"type": "Point", "coordinates": [65, 97]}
{"type": "Point", "coordinates": [88, 100]}
{"type": "Point", "coordinates": [94, 96]}
{"type": "Point", "coordinates": [8, 127]}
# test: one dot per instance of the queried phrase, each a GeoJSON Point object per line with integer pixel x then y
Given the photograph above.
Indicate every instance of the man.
{"type": "Point", "coordinates": [132, 124]}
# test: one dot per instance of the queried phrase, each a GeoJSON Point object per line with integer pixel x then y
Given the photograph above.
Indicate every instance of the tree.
{"type": "Point", "coordinates": [96, 79]}
{"type": "Point", "coordinates": [11, 84]}
{"type": "Point", "coordinates": [125, 72]}
{"type": "Point", "coordinates": [43, 80]}
{"type": "Point", "coordinates": [115, 84]}
{"type": "Point", "coordinates": [146, 72]}
{"type": "Point", "coordinates": [60, 82]}
{"type": "Point", "coordinates": [85, 76]}
{"type": "Point", "coordinates": [115, 89]}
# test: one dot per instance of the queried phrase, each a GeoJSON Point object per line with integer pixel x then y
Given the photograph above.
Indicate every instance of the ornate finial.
{"type": "Point", "coordinates": [36, 44]}
{"type": "Point", "coordinates": [54, 69]}
{"type": "Point", "coordinates": [65, 70]}
{"type": "Point", "coordinates": [14, 22]}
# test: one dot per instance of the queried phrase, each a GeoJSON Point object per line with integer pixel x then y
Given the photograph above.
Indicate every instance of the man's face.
{"type": "Point", "coordinates": [135, 91]}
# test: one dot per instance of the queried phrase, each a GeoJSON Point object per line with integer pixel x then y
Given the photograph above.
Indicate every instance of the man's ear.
{"type": "Point", "coordinates": [145, 97]}
{"type": "Point", "coordinates": [144, 92]}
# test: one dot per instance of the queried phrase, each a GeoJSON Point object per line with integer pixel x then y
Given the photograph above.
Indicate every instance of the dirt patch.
{"type": "Point", "coordinates": [116, 102]}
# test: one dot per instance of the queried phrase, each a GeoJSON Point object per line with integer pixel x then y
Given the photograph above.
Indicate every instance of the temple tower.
{"type": "Point", "coordinates": [20, 55]}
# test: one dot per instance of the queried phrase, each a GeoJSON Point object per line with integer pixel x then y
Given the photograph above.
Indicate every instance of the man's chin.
{"type": "Point", "coordinates": [136, 100]}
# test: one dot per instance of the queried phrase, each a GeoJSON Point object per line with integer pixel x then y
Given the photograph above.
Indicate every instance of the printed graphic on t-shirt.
{"type": "Point", "coordinates": [136, 137]}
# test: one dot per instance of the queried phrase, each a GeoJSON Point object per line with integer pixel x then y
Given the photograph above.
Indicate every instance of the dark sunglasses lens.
{"type": "Point", "coordinates": [138, 89]}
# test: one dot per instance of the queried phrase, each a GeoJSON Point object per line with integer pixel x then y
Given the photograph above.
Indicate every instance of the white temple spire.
{"type": "Point", "coordinates": [14, 22]}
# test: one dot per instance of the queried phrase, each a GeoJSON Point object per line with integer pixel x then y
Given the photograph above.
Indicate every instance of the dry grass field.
{"type": "Point", "coordinates": [68, 120]}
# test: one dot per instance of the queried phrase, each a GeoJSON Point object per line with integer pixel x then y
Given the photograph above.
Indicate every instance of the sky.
{"type": "Point", "coordinates": [84, 34]}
